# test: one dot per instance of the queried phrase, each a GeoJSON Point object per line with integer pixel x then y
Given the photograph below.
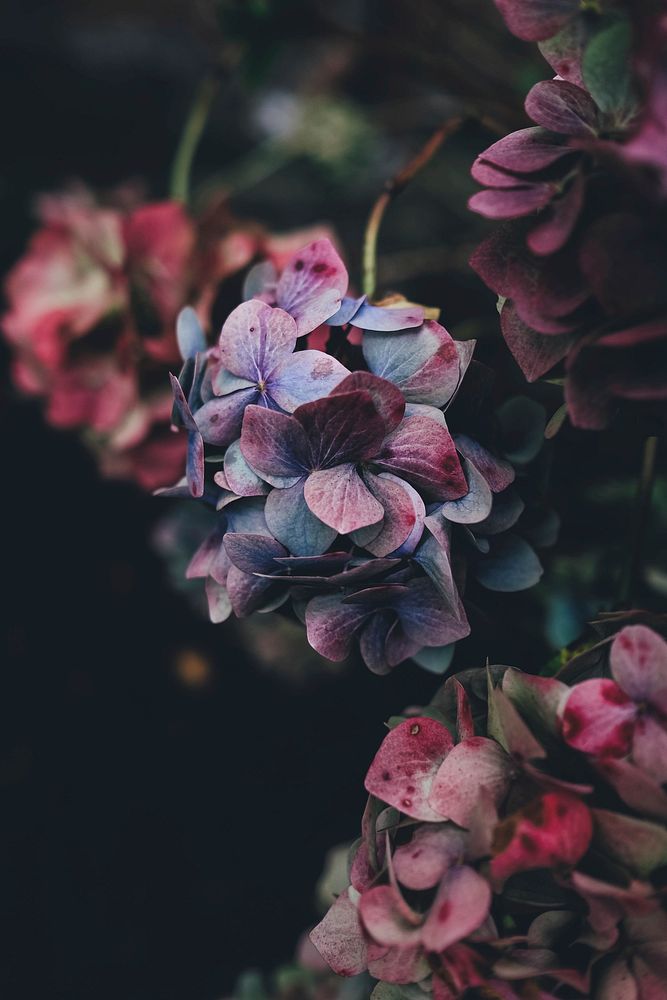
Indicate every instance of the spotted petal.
{"type": "Point", "coordinates": [312, 286]}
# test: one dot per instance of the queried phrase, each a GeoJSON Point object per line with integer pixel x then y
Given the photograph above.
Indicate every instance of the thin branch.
{"type": "Point", "coordinates": [392, 189]}
{"type": "Point", "coordinates": [193, 129]}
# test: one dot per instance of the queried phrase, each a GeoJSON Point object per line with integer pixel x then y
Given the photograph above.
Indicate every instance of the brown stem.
{"type": "Point", "coordinates": [640, 520]}
{"type": "Point", "coordinates": [392, 189]}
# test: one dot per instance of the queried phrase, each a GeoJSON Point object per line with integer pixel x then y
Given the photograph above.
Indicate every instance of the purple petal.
{"type": "Point", "coordinates": [220, 420]}
{"type": "Point", "coordinates": [274, 443]}
{"type": "Point", "coordinates": [524, 152]}
{"type": "Point", "coordinates": [330, 625]}
{"type": "Point", "coordinates": [639, 664]}
{"type": "Point", "coordinates": [556, 225]}
{"type": "Point", "coordinates": [535, 353]}
{"type": "Point", "coordinates": [291, 521]}
{"type": "Point", "coordinates": [181, 405]}
{"type": "Point", "coordinates": [388, 400]}
{"type": "Point", "coordinates": [637, 789]}
{"type": "Point", "coordinates": [424, 454]}
{"type": "Point", "coordinates": [195, 464]}
{"type": "Point", "coordinates": [255, 338]}
{"type": "Point", "coordinates": [339, 938]}
{"type": "Point", "coordinates": [312, 286]}
{"type": "Point", "coordinates": [344, 427]}
{"type": "Point", "coordinates": [564, 51]}
{"type": "Point", "coordinates": [512, 203]}
{"type": "Point", "coordinates": [535, 20]}
{"type": "Point", "coordinates": [649, 747]}
{"type": "Point", "coordinates": [388, 318]}
{"type": "Point", "coordinates": [253, 553]}
{"type": "Point", "coordinates": [472, 766]}
{"type": "Point", "coordinates": [304, 377]}
{"type": "Point", "coordinates": [433, 555]}
{"type": "Point", "coordinates": [339, 498]}
{"type": "Point", "coordinates": [247, 593]}
{"type": "Point", "coordinates": [405, 766]}
{"type": "Point", "coordinates": [460, 907]}
{"type": "Point", "coordinates": [427, 619]}
{"type": "Point", "coordinates": [476, 505]}
{"type": "Point", "coordinates": [349, 307]}
{"type": "Point", "coordinates": [562, 107]}
{"type": "Point", "coordinates": [424, 364]}
{"type": "Point", "coordinates": [239, 477]}
{"type": "Point", "coordinates": [498, 473]}
{"type": "Point", "coordinates": [210, 559]}
{"type": "Point", "coordinates": [373, 642]}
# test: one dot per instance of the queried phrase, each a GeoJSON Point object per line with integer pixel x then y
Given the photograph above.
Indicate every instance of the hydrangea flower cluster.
{"type": "Point", "coordinates": [341, 492]}
{"type": "Point", "coordinates": [580, 257]}
{"type": "Point", "coordinates": [515, 839]}
{"type": "Point", "coordinates": [91, 316]}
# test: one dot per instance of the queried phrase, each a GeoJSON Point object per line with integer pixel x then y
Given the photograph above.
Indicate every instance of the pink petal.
{"type": "Point", "coordinates": [330, 625]}
{"type": "Point", "coordinates": [474, 765]}
{"type": "Point", "coordinates": [388, 400]}
{"type": "Point", "coordinates": [423, 363]}
{"type": "Point", "coordinates": [424, 454]}
{"type": "Point", "coordinates": [312, 286]}
{"type": "Point", "coordinates": [460, 907]}
{"type": "Point", "coordinates": [339, 498]}
{"type": "Point", "coordinates": [598, 718]}
{"type": "Point", "coordinates": [345, 426]}
{"type": "Point", "coordinates": [534, 20]}
{"type": "Point", "coordinates": [465, 726]}
{"type": "Point", "coordinates": [397, 965]}
{"type": "Point", "coordinates": [433, 849]}
{"type": "Point", "coordinates": [388, 919]}
{"type": "Point", "coordinates": [404, 514]}
{"type": "Point", "coordinates": [220, 419]}
{"type": "Point", "coordinates": [638, 662]}
{"type": "Point", "coordinates": [535, 353]}
{"type": "Point", "coordinates": [274, 443]}
{"type": "Point", "coordinates": [554, 829]}
{"type": "Point", "coordinates": [556, 224]}
{"type": "Point", "coordinates": [637, 789]}
{"type": "Point", "coordinates": [498, 472]}
{"type": "Point", "coordinates": [404, 767]}
{"type": "Point", "coordinates": [255, 338]}
{"type": "Point", "coordinates": [511, 203]}
{"type": "Point", "coordinates": [240, 478]}
{"type": "Point", "coordinates": [649, 747]}
{"type": "Point", "coordinates": [339, 938]}
{"type": "Point", "coordinates": [521, 152]}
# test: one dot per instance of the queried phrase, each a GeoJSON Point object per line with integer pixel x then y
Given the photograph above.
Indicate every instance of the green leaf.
{"type": "Point", "coordinates": [607, 68]}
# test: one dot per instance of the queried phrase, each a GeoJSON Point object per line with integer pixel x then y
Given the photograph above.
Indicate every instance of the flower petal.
{"type": "Point", "coordinates": [535, 353]}
{"type": "Point", "coordinates": [460, 907]}
{"type": "Point", "coordinates": [339, 938]}
{"type": "Point", "coordinates": [404, 767]}
{"type": "Point", "coordinates": [254, 339]}
{"type": "Point", "coordinates": [562, 107]}
{"type": "Point", "coordinates": [403, 520]}
{"type": "Point", "coordinates": [388, 400]}
{"type": "Point", "coordinates": [330, 625]}
{"type": "Point", "coordinates": [535, 20]}
{"type": "Point", "coordinates": [387, 318]}
{"type": "Point", "coordinates": [220, 420]}
{"type": "Point", "coordinates": [433, 849]}
{"type": "Point", "coordinates": [598, 718]}
{"type": "Point", "coordinates": [424, 454]}
{"type": "Point", "coordinates": [339, 498]}
{"type": "Point", "coordinates": [638, 661]}
{"type": "Point", "coordinates": [291, 521]}
{"type": "Point", "coordinates": [304, 377]}
{"type": "Point", "coordinates": [343, 427]}
{"type": "Point", "coordinates": [423, 363]}
{"type": "Point", "coordinates": [476, 505]}
{"type": "Point", "coordinates": [312, 286]}
{"type": "Point", "coordinates": [474, 765]}
{"type": "Point", "coordinates": [274, 443]}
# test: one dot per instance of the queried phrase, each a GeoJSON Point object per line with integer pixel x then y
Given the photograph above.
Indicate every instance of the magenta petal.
{"type": "Point", "coordinates": [637, 789]}
{"type": "Point", "coordinates": [220, 420]}
{"type": "Point", "coordinates": [535, 353]}
{"type": "Point", "coordinates": [339, 498]}
{"type": "Point", "coordinates": [562, 107]}
{"type": "Point", "coordinates": [397, 965]}
{"type": "Point", "coordinates": [312, 286]}
{"type": "Point", "coordinates": [524, 152]}
{"type": "Point", "coordinates": [291, 521]}
{"type": "Point", "coordinates": [330, 625]}
{"type": "Point", "coordinates": [460, 907]}
{"type": "Point", "coordinates": [404, 767]}
{"type": "Point", "coordinates": [404, 514]}
{"type": "Point", "coordinates": [384, 916]}
{"type": "Point", "coordinates": [535, 20]}
{"type": "Point", "coordinates": [247, 593]}
{"type": "Point", "coordinates": [339, 938]}
{"type": "Point", "coordinates": [343, 427]}
{"type": "Point", "coordinates": [255, 338]}
{"type": "Point", "coordinates": [556, 225]}
{"type": "Point", "coordinates": [649, 747]}
{"type": "Point", "coordinates": [638, 662]}
{"type": "Point", "coordinates": [474, 765]}
{"type": "Point", "coordinates": [554, 829]}
{"type": "Point", "coordinates": [433, 849]}
{"type": "Point", "coordinates": [598, 718]}
{"type": "Point", "coordinates": [511, 203]}
{"type": "Point", "coordinates": [424, 454]}
{"type": "Point", "coordinates": [274, 443]}
{"type": "Point", "coordinates": [388, 400]}
{"type": "Point", "coordinates": [304, 377]}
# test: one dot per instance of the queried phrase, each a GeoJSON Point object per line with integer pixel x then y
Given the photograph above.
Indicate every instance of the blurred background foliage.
{"type": "Point", "coordinates": [172, 785]}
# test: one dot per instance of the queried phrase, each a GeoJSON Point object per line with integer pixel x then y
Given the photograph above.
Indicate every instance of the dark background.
{"type": "Point", "coordinates": [164, 824]}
